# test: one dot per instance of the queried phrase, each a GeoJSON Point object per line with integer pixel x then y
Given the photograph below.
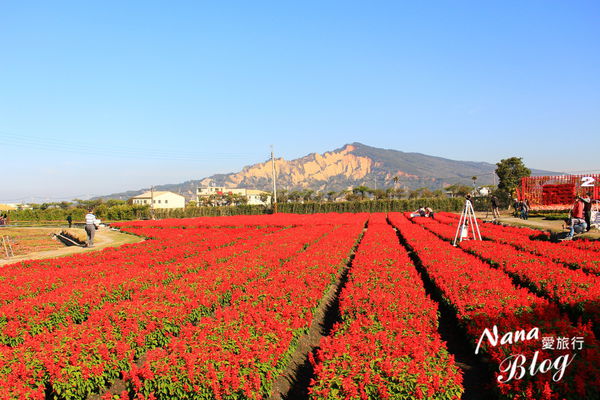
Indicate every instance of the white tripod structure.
{"type": "Point", "coordinates": [467, 219]}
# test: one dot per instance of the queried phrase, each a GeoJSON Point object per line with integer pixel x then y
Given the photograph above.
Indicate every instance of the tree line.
{"type": "Point", "coordinates": [121, 211]}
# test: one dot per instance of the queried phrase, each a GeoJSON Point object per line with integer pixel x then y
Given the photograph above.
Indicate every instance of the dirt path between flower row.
{"type": "Point", "coordinates": [477, 376]}
{"type": "Point", "coordinates": [294, 381]}
{"type": "Point", "coordinates": [104, 238]}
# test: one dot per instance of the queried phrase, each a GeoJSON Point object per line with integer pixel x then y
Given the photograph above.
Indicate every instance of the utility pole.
{"type": "Point", "coordinates": [274, 182]}
{"type": "Point", "coordinates": [152, 202]}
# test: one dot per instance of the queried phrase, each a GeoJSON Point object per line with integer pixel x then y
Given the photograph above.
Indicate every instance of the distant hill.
{"type": "Point", "coordinates": [349, 166]}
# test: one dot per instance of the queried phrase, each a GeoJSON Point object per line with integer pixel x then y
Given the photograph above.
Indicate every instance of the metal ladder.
{"type": "Point", "coordinates": [7, 247]}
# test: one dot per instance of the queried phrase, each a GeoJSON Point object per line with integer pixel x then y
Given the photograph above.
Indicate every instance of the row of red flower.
{"type": "Point", "coordinates": [78, 359]}
{"type": "Point", "coordinates": [581, 249]}
{"type": "Point", "coordinates": [583, 244]}
{"type": "Point", "coordinates": [387, 345]}
{"type": "Point", "coordinates": [584, 258]}
{"type": "Point", "coordinates": [587, 260]}
{"type": "Point", "coordinates": [27, 279]}
{"type": "Point", "coordinates": [280, 219]}
{"type": "Point", "coordinates": [484, 297]}
{"type": "Point", "coordinates": [241, 350]}
{"type": "Point", "coordinates": [69, 293]}
{"type": "Point", "coordinates": [574, 289]}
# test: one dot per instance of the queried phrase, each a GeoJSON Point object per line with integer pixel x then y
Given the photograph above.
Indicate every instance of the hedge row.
{"type": "Point", "coordinates": [132, 212]}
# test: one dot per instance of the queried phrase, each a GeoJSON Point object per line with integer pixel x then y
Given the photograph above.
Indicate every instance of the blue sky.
{"type": "Point", "coordinates": [100, 97]}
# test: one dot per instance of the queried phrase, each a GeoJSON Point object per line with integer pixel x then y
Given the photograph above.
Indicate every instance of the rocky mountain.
{"type": "Point", "coordinates": [349, 166]}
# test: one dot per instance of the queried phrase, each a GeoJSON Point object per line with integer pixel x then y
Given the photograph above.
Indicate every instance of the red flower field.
{"type": "Point", "coordinates": [217, 308]}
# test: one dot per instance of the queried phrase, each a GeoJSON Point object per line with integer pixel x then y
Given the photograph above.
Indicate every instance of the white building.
{"type": "Point", "coordinates": [483, 191]}
{"type": "Point", "coordinates": [160, 199]}
{"type": "Point", "coordinates": [218, 190]}
{"type": "Point", "coordinates": [253, 196]}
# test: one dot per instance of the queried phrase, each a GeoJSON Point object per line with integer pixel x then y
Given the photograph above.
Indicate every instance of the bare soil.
{"type": "Point", "coordinates": [293, 383]}
{"type": "Point", "coordinates": [104, 237]}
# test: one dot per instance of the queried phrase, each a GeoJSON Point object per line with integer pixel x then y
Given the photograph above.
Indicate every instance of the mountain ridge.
{"type": "Point", "coordinates": [351, 165]}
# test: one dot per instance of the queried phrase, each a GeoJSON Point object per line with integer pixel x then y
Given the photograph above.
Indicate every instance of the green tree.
{"type": "Point", "coordinates": [295, 196]}
{"type": "Point", "coordinates": [361, 191]}
{"type": "Point", "coordinates": [265, 196]}
{"type": "Point", "coordinates": [331, 195]}
{"type": "Point", "coordinates": [88, 203]}
{"type": "Point", "coordinates": [510, 171]}
{"type": "Point", "coordinates": [115, 202]}
{"type": "Point", "coordinates": [307, 195]}
{"type": "Point", "coordinates": [282, 196]}
{"type": "Point", "coordinates": [65, 204]}
{"type": "Point", "coordinates": [318, 197]}
{"type": "Point", "coordinates": [379, 194]}
{"type": "Point", "coordinates": [420, 193]}
{"type": "Point", "coordinates": [458, 189]}
{"type": "Point", "coordinates": [349, 195]}
{"type": "Point", "coordinates": [438, 193]}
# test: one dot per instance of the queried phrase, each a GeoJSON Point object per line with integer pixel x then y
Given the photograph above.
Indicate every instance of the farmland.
{"type": "Point", "coordinates": [228, 307]}
{"type": "Point", "coordinates": [29, 240]}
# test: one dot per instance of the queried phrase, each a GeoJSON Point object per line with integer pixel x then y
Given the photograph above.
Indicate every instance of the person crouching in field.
{"type": "Point", "coordinates": [575, 225]}
{"type": "Point", "coordinates": [90, 228]}
{"type": "Point", "coordinates": [422, 212]}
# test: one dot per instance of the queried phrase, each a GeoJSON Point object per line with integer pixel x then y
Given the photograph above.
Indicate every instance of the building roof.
{"type": "Point", "coordinates": [148, 195]}
{"type": "Point", "coordinates": [253, 191]}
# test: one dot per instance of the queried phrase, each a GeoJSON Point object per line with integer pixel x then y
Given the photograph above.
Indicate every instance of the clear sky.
{"type": "Point", "coordinates": [105, 96]}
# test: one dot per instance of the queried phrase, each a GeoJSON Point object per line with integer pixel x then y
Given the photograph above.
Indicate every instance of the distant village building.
{"type": "Point", "coordinates": [16, 206]}
{"type": "Point", "coordinates": [254, 197]}
{"type": "Point", "coordinates": [160, 199]}
{"type": "Point", "coordinates": [7, 207]}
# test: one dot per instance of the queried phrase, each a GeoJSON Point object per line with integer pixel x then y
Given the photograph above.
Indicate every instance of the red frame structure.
{"type": "Point", "coordinates": [557, 192]}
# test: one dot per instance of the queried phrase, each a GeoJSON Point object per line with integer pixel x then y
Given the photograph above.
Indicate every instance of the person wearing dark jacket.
{"type": "Point", "coordinates": [495, 207]}
{"type": "Point", "coordinates": [525, 209]}
{"type": "Point", "coordinates": [587, 209]}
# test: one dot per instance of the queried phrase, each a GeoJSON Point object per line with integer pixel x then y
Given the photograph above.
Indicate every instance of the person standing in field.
{"type": "Point", "coordinates": [587, 209]}
{"type": "Point", "coordinates": [525, 209]}
{"type": "Point", "coordinates": [70, 220]}
{"type": "Point", "coordinates": [90, 228]}
{"type": "Point", "coordinates": [495, 208]}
